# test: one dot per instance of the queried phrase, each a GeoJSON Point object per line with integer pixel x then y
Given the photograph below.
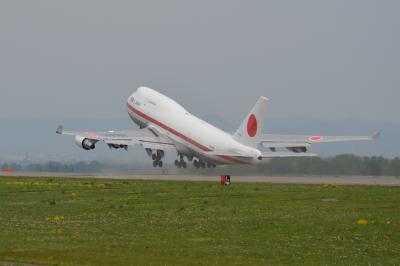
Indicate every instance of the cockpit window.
{"type": "Point", "coordinates": [134, 101]}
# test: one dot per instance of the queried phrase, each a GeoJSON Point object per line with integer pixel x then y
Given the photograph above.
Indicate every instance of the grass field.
{"type": "Point", "coordinates": [106, 222]}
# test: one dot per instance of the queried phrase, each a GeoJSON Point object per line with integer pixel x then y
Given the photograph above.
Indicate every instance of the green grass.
{"type": "Point", "coordinates": [105, 222]}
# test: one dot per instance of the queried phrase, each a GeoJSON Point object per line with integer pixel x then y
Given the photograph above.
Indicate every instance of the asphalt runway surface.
{"type": "Point", "coordinates": [340, 180]}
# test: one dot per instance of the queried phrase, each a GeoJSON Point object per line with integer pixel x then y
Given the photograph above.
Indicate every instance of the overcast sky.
{"type": "Point", "coordinates": [330, 59]}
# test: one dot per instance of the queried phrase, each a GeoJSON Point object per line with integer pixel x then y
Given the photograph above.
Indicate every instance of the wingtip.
{"type": "Point", "coordinates": [375, 135]}
{"type": "Point", "coordinates": [59, 130]}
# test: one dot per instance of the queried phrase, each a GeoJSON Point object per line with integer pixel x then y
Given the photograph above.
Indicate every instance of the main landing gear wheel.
{"type": "Point", "coordinates": [199, 164]}
{"type": "Point", "coordinates": [156, 156]}
{"type": "Point", "coordinates": [157, 163]}
{"type": "Point", "coordinates": [180, 164]}
{"type": "Point", "coordinates": [210, 165]}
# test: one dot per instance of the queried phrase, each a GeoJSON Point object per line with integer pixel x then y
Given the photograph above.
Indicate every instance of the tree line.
{"type": "Point", "coordinates": [345, 164]}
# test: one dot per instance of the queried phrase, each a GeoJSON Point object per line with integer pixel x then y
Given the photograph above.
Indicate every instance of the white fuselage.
{"type": "Point", "coordinates": [192, 136]}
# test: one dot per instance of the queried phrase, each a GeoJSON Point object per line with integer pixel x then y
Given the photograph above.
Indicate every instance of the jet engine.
{"type": "Point", "coordinates": [85, 143]}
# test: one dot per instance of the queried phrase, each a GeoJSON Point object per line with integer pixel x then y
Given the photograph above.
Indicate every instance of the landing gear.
{"type": "Point", "coordinates": [181, 163]}
{"type": "Point", "coordinates": [200, 164]}
{"type": "Point", "coordinates": [210, 165]}
{"type": "Point", "coordinates": [157, 157]}
{"type": "Point", "coordinates": [157, 163]}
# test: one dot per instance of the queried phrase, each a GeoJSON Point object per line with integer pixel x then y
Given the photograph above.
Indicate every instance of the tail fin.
{"type": "Point", "coordinates": [251, 128]}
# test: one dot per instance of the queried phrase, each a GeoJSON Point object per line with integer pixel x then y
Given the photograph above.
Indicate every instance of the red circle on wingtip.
{"type": "Point", "coordinates": [315, 138]}
{"type": "Point", "coordinates": [252, 126]}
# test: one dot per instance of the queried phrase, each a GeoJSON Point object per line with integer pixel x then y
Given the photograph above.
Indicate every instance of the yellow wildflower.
{"type": "Point", "coordinates": [58, 218]}
{"type": "Point", "coordinates": [362, 222]}
{"type": "Point", "coordinates": [87, 186]}
{"type": "Point", "coordinates": [330, 185]}
{"type": "Point", "coordinates": [55, 218]}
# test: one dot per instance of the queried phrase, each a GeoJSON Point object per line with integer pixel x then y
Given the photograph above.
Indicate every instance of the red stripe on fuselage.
{"type": "Point", "coordinates": [232, 159]}
{"type": "Point", "coordinates": [180, 135]}
{"type": "Point", "coordinates": [171, 130]}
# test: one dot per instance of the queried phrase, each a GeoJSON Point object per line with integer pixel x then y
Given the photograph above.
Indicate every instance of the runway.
{"type": "Point", "coordinates": [340, 180]}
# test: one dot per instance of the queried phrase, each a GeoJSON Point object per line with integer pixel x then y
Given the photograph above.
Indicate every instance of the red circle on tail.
{"type": "Point", "coordinates": [252, 126]}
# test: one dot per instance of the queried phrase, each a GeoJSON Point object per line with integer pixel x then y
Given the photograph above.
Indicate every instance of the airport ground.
{"type": "Point", "coordinates": [101, 221]}
{"type": "Point", "coordinates": [158, 175]}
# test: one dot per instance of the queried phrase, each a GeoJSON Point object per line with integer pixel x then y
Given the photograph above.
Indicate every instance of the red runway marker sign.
{"type": "Point", "coordinates": [7, 169]}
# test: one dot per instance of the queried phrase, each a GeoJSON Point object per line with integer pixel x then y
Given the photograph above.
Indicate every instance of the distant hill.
{"type": "Point", "coordinates": [25, 138]}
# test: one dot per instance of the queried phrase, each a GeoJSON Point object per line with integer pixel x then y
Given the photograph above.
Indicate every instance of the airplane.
{"type": "Point", "coordinates": [166, 125]}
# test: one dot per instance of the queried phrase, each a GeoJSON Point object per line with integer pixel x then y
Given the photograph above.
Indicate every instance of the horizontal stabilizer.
{"type": "Point", "coordinates": [375, 135]}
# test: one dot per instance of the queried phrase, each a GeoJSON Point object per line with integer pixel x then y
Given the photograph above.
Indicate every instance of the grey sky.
{"type": "Point", "coordinates": [331, 59]}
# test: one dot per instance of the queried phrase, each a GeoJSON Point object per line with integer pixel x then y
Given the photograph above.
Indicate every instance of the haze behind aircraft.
{"type": "Point", "coordinates": [166, 125]}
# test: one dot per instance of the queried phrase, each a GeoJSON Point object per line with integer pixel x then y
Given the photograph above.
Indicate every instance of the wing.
{"type": "Point", "coordinates": [296, 141]}
{"type": "Point", "coordinates": [237, 154]}
{"type": "Point", "coordinates": [286, 154]}
{"type": "Point", "coordinates": [122, 139]}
